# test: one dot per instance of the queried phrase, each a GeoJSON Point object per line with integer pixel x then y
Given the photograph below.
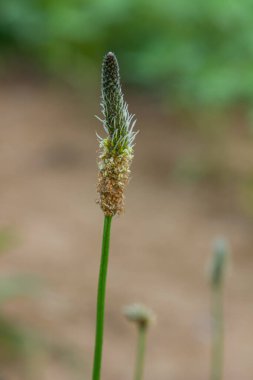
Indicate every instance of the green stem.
{"type": "Point", "coordinates": [101, 299]}
{"type": "Point", "coordinates": [217, 334]}
{"type": "Point", "coordinates": [140, 351]}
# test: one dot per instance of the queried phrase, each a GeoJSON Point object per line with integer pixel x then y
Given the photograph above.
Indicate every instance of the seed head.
{"type": "Point", "coordinates": [116, 149]}
{"type": "Point", "coordinates": [219, 262]}
{"type": "Point", "coordinates": [139, 314]}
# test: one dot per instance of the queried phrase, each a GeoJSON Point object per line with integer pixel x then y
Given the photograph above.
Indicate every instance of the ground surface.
{"type": "Point", "coordinates": [159, 248]}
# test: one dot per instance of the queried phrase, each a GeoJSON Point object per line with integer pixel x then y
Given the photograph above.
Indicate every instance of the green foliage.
{"type": "Point", "coordinates": [197, 52]}
{"type": "Point", "coordinates": [18, 286]}
{"type": "Point", "coordinates": [23, 347]}
{"type": "Point", "coordinates": [7, 239]}
{"type": "Point", "coordinates": [246, 195]}
{"type": "Point", "coordinates": [17, 343]}
{"type": "Point", "coordinates": [20, 345]}
{"type": "Point", "coordinates": [201, 170]}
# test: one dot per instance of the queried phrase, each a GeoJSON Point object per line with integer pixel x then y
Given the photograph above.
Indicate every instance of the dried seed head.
{"type": "Point", "coordinates": [116, 150]}
{"type": "Point", "coordinates": [219, 262]}
{"type": "Point", "coordinates": [139, 314]}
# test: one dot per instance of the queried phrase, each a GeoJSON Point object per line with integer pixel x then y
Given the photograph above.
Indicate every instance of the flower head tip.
{"type": "Point", "coordinates": [219, 262]}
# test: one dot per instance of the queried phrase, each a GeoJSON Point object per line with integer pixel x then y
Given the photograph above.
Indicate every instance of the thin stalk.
{"type": "Point", "coordinates": [141, 345]}
{"type": "Point", "coordinates": [217, 333]}
{"type": "Point", "coordinates": [101, 299]}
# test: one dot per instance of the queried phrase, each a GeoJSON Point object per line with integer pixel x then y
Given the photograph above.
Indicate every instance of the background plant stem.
{"type": "Point", "coordinates": [101, 299]}
{"type": "Point", "coordinates": [217, 333]}
{"type": "Point", "coordinates": [142, 330]}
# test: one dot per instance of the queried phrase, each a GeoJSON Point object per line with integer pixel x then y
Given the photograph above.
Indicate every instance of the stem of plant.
{"type": "Point", "coordinates": [141, 345]}
{"type": "Point", "coordinates": [101, 299]}
{"type": "Point", "coordinates": [217, 333]}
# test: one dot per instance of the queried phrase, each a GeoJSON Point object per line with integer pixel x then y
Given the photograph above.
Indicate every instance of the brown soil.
{"type": "Point", "coordinates": [159, 248]}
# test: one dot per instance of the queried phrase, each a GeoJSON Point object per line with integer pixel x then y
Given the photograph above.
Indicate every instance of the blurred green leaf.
{"type": "Point", "coordinates": [7, 239]}
{"type": "Point", "coordinates": [199, 53]}
{"type": "Point", "coordinates": [18, 286]}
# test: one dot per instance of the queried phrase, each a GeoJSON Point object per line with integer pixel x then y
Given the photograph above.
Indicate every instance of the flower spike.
{"type": "Point", "coordinates": [116, 149]}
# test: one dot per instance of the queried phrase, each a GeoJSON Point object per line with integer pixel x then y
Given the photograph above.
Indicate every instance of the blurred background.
{"type": "Point", "coordinates": [187, 73]}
